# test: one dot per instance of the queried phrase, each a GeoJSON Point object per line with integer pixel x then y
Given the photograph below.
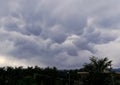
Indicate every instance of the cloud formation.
{"type": "Point", "coordinates": [58, 33]}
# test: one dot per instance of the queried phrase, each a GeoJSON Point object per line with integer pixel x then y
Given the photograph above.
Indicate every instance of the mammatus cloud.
{"type": "Point", "coordinates": [58, 33]}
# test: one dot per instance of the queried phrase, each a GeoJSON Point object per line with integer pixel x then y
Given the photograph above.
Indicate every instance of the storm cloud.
{"type": "Point", "coordinates": [58, 33]}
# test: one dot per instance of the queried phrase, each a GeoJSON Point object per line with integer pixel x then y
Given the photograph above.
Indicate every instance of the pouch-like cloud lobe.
{"type": "Point", "coordinates": [58, 33]}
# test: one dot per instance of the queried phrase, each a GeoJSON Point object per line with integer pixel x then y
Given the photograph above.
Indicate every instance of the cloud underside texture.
{"type": "Point", "coordinates": [58, 33]}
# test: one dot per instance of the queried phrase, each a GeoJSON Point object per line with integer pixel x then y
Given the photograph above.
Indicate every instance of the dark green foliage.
{"type": "Point", "coordinates": [99, 72]}
{"type": "Point", "coordinates": [98, 65]}
{"type": "Point", "coordinates": [36, 76]}
{"type": "Point", "coordinates": [97, 69]}
{"type": "Point", "coordinates": [97, 79]}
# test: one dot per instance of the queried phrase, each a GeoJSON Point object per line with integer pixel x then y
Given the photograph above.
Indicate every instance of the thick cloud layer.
{"type": "Point", "coordinates": [58, 33]}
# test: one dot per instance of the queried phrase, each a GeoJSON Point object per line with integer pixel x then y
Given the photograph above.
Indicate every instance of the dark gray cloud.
{"type": "Point", "coordinates": [57, 33]}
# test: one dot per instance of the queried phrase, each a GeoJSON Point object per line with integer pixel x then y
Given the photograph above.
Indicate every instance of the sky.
{"type": "Point", "coordinates": [60, 33]}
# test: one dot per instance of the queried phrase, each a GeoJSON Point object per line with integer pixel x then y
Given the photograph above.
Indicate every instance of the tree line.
{"type": "Point", "coordinates": [99, 72]}
{"type": "Point", "coordinates": [36, 76]}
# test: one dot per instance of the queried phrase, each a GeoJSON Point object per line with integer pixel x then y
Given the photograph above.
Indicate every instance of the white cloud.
{"type": "Point", "coordinates": [110, 50]}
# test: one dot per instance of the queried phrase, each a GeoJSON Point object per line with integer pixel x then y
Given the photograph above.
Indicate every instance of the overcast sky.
{"type": "Point", "coordinates": [61, 33]}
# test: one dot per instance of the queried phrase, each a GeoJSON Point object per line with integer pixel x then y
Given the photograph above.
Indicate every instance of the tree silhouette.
{"type": "Point", "coordinates": [98, 65]}
{"type": "Point", "coordinates": [98, 71]}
